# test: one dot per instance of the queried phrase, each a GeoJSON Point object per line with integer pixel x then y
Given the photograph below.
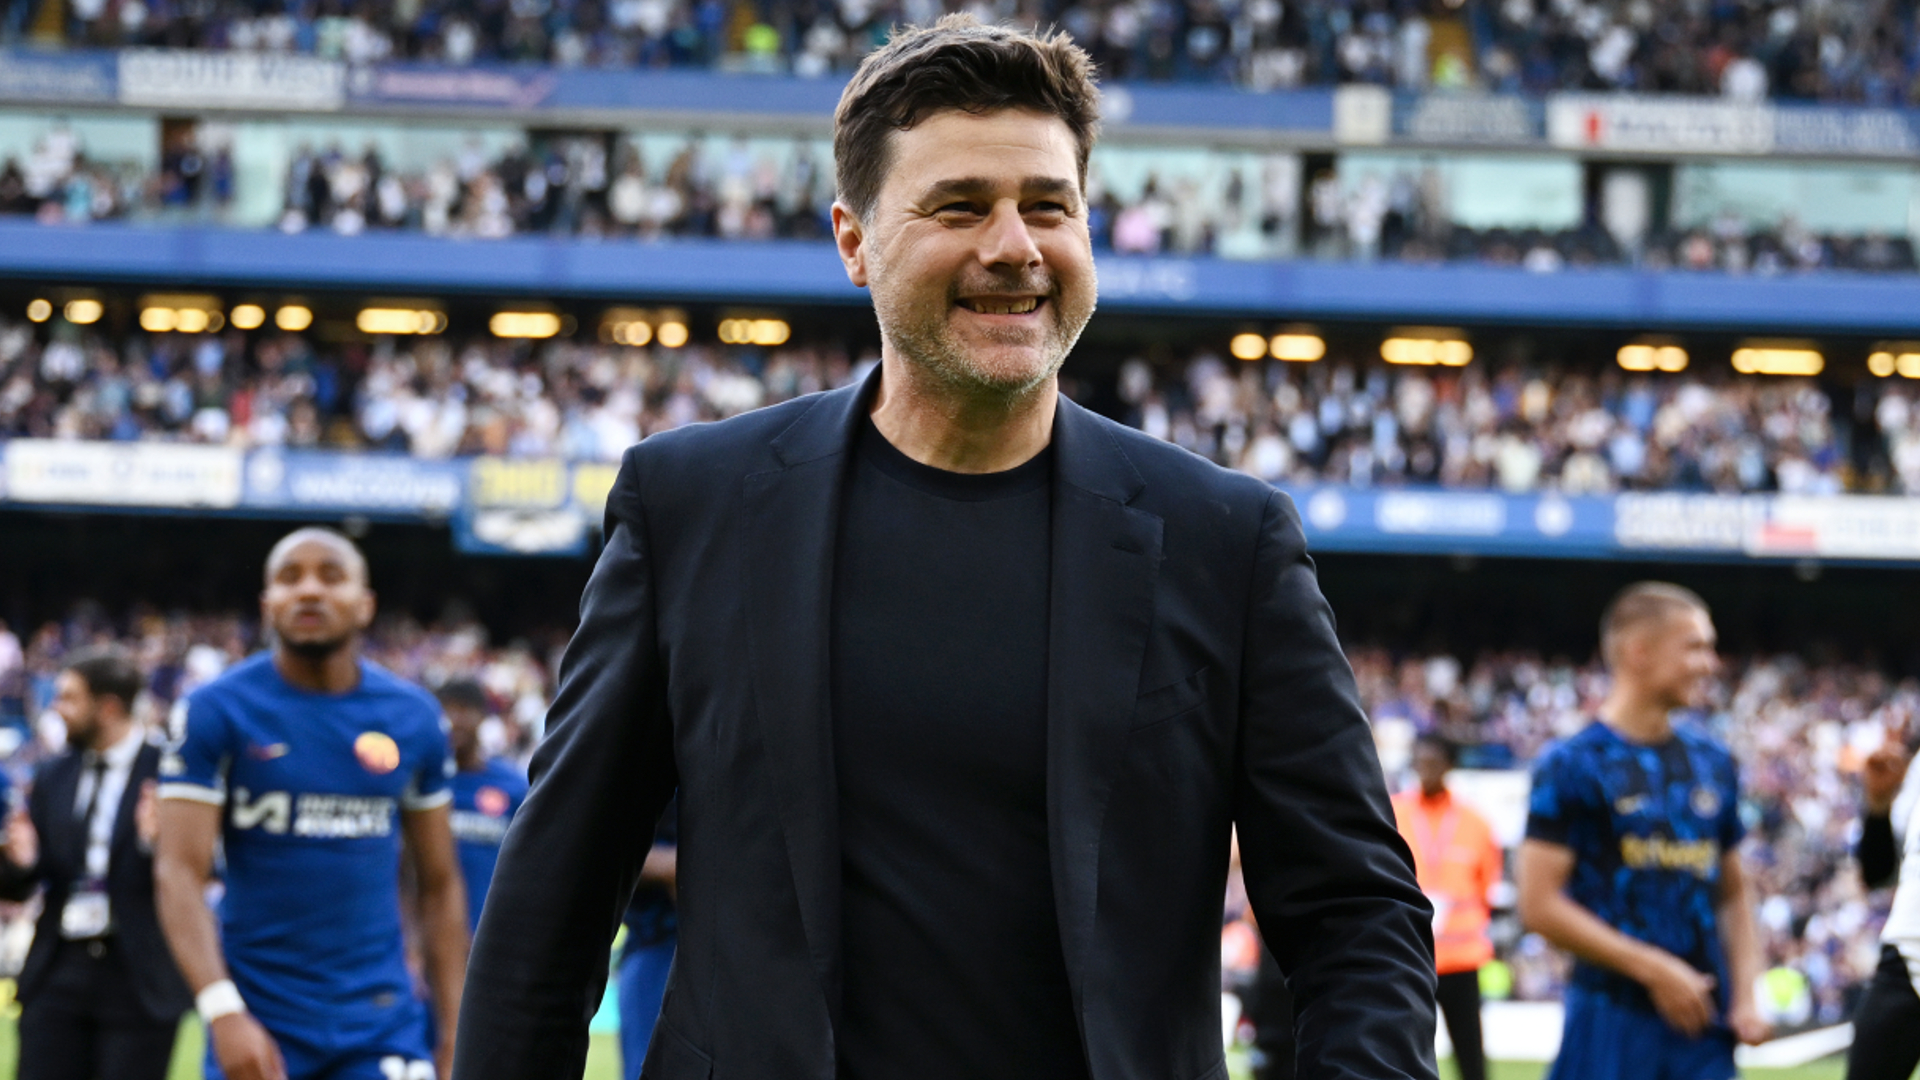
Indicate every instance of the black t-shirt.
{"type": "Point", "coordinates": [951, 944]}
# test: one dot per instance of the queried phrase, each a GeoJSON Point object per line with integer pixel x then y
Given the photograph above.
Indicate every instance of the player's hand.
{"type": "Point", "coordinates": [23, 842]}
{"type": "Point", "coordinates": [146, 814]}
{"type": "Point", "coordinates": [1881, 777]}
{"type": "Point", "coordinates": [1744, 1019]}
{"type": "Point", "coordinates": [1682, 996]}
{"type": "Point", "coordinates": [245, 1051]}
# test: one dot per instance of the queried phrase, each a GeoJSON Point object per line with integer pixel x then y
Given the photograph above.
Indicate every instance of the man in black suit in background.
{"type": "Point", "coordinates": [101, 997]}
{"type": "Point", "coordinates": [963, 688]}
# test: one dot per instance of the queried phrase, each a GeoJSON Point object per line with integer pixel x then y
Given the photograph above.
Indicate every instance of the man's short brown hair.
{"type": "Point", "coordinates": [957, 63]}
{"type": "Point", "coordinates": [1643, 602]}
{"type": "Point", "coordinates": [107, 671]}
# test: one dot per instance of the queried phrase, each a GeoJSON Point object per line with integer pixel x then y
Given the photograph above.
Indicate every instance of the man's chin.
{"type": "Point", "coordinates": [314, 648]}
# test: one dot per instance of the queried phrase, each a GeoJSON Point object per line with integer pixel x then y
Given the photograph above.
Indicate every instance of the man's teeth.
{"type": "Point", "coordinates": [1005, 307]}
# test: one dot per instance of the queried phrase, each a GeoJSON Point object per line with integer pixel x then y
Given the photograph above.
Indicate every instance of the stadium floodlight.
{"type": "Point", "coordinates": [1778, 358]}
{"type": "Point", "coordinates": [524, 324]}
{"type": "Point", "coordinates": [626, 326]}
{"type": "Point", "coordinates": [84, 312]}
{"type": "Point", "coordinates": [1652, 356]}
{"type": "Point", "coordinates": [157, 320]}
{"type": "Point", "coordinates": [247, 316]}
{"type": "Point", "coordinates": [1426, 347]}
{"type": "Point", "coordinates": [293, 318]}
{"type": "Point", "coordinates": [1895, 358]}
{"type": "Point", "coordinates": [1247, 346]}
{"type": "Point", "coordinates": [375, 320]}
{"type": "Point", "coordinates": [749, 332]}
{"type": "Point", "coordinates": [162, 313]}
{"type": "Point", "coordinates": [39, 309]}
{"type": "Point", "coordinates": [671, 334]}
{"type": "Point", "coordinates": [1297, 347]}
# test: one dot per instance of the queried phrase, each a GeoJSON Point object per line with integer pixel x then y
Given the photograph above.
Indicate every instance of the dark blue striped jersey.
{"type": "Point", "coordinates": [484, 801]}
{"type": "Point", "coordinates": [1647, 826]}
{"type": "Point", "coordinates": [311, 788]}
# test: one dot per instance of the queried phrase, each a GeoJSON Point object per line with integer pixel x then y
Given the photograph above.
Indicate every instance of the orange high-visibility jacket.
{"type": "Point", "coordinates": [1457, 861]}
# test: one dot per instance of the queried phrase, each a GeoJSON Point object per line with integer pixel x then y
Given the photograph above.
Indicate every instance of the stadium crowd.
{"type": "Point", "coordinates": [1508, 426]}
{"type": "Point", "coordinates": [1799, 728]}
{"type": "Point", "coordinates": [705, 188]}
{"type": "Point", "coordinates": [1800, 49]}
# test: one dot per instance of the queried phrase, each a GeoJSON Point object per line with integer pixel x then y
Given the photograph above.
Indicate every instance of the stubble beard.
{"type": "Point", "coordinates": [923, 336]}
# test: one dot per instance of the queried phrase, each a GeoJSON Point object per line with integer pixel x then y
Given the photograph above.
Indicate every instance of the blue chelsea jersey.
{"type": "Point", "coordinates": [484, 801]}
{"type": "Point", "coordinates": [1647, 826]}
{"type": "Point", "coordinates": [312, 786]}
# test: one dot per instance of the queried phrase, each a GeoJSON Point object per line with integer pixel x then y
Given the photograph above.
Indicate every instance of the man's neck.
{"type": "Point", "coordinates": [1637, 718]}
{"type": "Point", "coordinates": [331, 673]}
{"type": "Point", "coordinates": [106, 739]}
{"type": "Point", "coordinates": [469, 760]}
{"type": "Point", "coordinates": [935, 425]}
{"type": "Point", "coordinates": [1435, 795]}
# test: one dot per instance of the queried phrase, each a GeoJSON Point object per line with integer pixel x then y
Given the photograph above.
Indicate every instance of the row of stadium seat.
{"type": "Point", "coordinates": [1514, 427]}
{"type": "Point", "coordinates": [1803, 49]}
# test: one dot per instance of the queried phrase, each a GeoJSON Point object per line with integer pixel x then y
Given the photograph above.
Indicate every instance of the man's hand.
{"type": "Point", "coordinates": [23, 842]}
{"type": "Point", "coordinates": [1682, 996]}
{"type": "Point", "coordinates": [244, 1049]}
{"type": "Point", "coordinates": [1744, 1018]}
{"type": "Point", "coordinates": [1881, 777]}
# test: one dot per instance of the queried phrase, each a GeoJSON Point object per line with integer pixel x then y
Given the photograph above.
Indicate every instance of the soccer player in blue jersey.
{"type": "Point", "coordinates": [309, 765]}
{"type": "Point", "coordinates": [1631, 862]}
{"type": "Point", "coordinates": [487, 792]}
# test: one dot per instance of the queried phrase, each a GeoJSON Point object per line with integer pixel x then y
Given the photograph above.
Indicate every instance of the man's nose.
{"type": "Point", "coordinates": [1006, 240]}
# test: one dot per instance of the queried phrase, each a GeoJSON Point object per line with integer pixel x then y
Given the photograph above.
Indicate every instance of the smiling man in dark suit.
{"type": "Point", "coordinates": [962, 687]}
{"type": "Point", "coordinates": [100, 992]}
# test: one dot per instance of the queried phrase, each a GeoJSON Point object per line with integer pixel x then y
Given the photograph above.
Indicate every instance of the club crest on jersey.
{"type": "Point", "coordinates": [1706, 802]}
{"type": "Point", "coordinates": [378, 753]}
{"type": "Point", "coordinates": [491, 801]}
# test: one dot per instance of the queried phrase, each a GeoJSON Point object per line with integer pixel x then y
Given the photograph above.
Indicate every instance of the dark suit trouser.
{"type": "Point", "coordinates": [85, 1022]}
{"type": "Point", "coordinates": [1886, 1026]}
{"type": "Point", "coordinates": [1458, 994]}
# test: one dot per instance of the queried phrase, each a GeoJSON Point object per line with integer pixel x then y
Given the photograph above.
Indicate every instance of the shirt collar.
{"type": "Point", "coordinates": [121, 754]}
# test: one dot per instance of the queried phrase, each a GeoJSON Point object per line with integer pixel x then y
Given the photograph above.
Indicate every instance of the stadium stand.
{"type": "Point", "coordinates": [1514, 428]}
{"type": "Point", "coordinates": [1237, 205]}
{"type": "Point", "coordinates": [1803, 50]}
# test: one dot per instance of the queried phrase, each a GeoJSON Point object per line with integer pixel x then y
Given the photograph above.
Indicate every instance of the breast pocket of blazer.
{"type": "Point", "coordinates": [1174, 701]}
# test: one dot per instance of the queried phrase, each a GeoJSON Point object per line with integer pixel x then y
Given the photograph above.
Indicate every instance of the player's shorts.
{"type": "Point", "coordinates": [394, 1046]}
{"type": "Point", "coordinates": [1608, 1040]}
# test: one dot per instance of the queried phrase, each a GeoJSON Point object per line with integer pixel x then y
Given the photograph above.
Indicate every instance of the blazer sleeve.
{"type": "Point", "coordinates": [1329, 877]}
{"type": "Point", "coordinates": [571, 856]}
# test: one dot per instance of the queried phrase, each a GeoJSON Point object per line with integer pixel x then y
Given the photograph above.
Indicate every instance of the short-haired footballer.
{"type": "Point", "coordinates": [309, 765]}
{"type": "Point", "coordinates": [487, 791]}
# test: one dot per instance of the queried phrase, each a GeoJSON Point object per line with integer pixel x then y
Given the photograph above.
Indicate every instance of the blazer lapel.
{"type": "Point", "coordinates": [792, 521]}
{"type": "Point", "coordinates": [1105, 559]}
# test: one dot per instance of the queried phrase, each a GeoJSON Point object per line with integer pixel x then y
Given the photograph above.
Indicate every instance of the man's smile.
{"type": "Point", "coordinates": [1002, 305]}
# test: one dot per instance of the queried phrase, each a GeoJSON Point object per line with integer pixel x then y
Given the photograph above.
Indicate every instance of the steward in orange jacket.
{"type": "Point", "coordinates": [1457, 861]}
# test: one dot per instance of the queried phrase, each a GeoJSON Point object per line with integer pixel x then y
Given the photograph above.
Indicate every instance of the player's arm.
{"type": "Point", "coordinates": [1885, 787]}
{"type": "Point", "coordinates": [1733, 912]}
{"type": "Point", "coordinates": [443, 918]}
{"type": "Point", "coordinates": [1682, 996]}
{"type": "Point", "coordinates": [182, 867]}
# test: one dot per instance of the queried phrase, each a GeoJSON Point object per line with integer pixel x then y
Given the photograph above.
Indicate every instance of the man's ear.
{"type": "Point", "coordinates": [849, 235]}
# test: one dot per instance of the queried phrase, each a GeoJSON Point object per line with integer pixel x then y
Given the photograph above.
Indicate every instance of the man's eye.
{"type": "Point", "coordinates": [958, 208]}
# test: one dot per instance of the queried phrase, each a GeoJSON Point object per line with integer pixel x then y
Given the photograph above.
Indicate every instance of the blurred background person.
{"type": "Point", "coordinates": [1458, 863]}
{"type": "Point", "coordinates": [101, 996]}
